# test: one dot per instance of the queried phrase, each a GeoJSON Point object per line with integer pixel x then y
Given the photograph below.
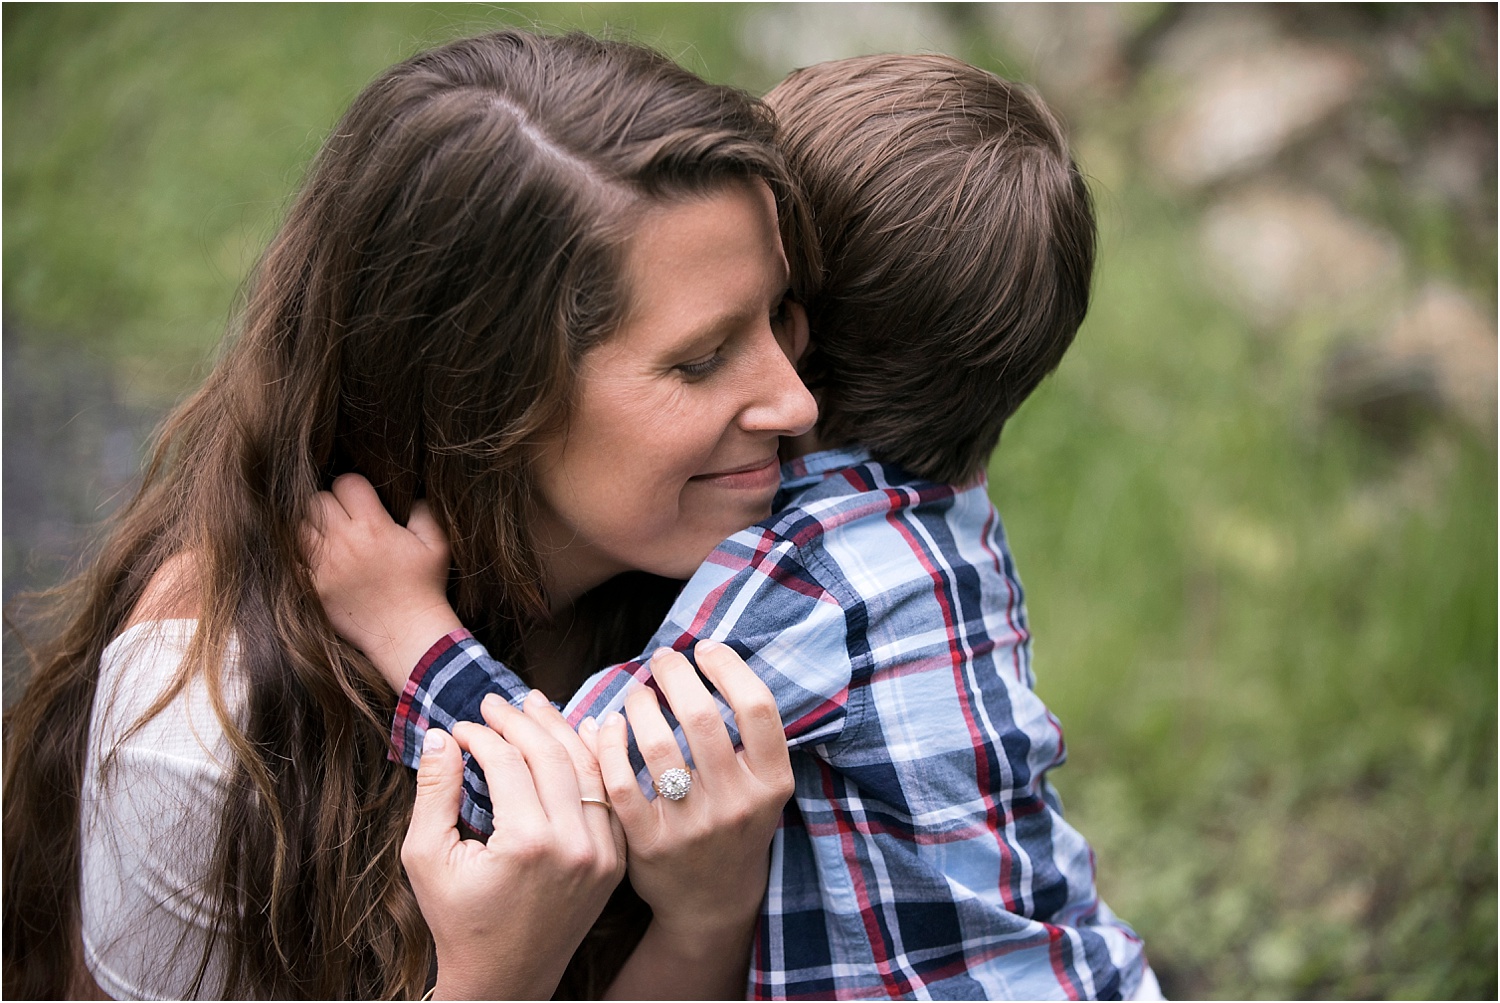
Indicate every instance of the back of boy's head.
{"type": "Point", "coordinates": [957, 238]}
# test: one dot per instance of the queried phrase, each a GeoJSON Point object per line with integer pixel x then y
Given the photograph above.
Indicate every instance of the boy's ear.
{"type": "Point", "coordinates": [798, 335]}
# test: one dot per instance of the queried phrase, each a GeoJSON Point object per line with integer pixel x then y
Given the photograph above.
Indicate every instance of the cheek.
{"type": "Point", "coordinates": [631, 458]}
{"type": "Point", "coordinates": [633, 468]}
{"type": "Point", "coordinates": [660, 444]}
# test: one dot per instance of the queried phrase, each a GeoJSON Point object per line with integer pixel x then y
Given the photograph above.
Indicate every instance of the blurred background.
{"type": "Point", "coordinates": [1255, 510]}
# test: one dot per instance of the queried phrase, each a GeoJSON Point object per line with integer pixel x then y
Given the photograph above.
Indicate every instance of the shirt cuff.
{"type": "Point", "coordinates": [409, 726]}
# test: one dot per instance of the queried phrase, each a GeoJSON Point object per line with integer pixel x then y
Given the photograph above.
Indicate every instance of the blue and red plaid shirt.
{"type": "Point", "coordinates": [924, 853]}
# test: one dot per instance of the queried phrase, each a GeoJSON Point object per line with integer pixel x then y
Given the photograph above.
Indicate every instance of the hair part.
{"type": "Point", "coordinates": [957, 242]}
{"type": "Point", "coordinates": [458, 244]}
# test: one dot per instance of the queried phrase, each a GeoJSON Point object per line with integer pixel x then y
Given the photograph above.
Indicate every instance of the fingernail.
{"type": "Point", "coordinates": [709, 644]}
{"type": "Point", "coordinates": [660, 653]}
{"type": "Point", "coordinates": [536, 699]}
{"type": "Point", "coordinates": [588, 724]}
{"type": "Point", "coordinates": [434, 741]}
{"type": "Point", "coordinates": [492, 701]}
{"type": "Point", "coordinates": [610, 719]}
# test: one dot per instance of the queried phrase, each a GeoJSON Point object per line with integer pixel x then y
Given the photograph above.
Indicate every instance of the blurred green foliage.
{"type": "Point", "coordinates": [1273, 648]}
{"type": "Point", "coordinates": [1272, 640]}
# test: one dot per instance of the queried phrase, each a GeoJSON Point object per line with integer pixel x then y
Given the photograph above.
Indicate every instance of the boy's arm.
{"type": "Point", "coordinates": [754, 594]}
{"type": "Point", "coordinates": [447, 686]}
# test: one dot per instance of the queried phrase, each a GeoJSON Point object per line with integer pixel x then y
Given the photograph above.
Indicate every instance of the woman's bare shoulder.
{"type": "Point", "coordinates": [172, 593]}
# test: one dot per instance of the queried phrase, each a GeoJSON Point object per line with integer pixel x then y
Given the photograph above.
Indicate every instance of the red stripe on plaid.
{"type": "Point", "coordinates": [404, 719]}
{"type": "Point", "coordinates": [1010, 594]}
{"type": "Point", "coordinates": [1060, 967]}
{"type": "Point", "coordinates": [895, 985]}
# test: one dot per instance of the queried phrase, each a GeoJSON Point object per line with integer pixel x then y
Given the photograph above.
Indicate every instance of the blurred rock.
{"type": "Point", "coordinates": [1208, 33]}
{"type": "Point", "coordinates": [1447, 333]}
{"type": "Point", "coordinates": [784, 37]}
{"type": "Point", "coordinates": [1458, 167]}
{"type": "Point", "coordinates": [1438, 356]}
{"type": "Point", "coordinates": [1074, 52]}
{"type": "Point", "coordinates": [1282, 253]}
{"type": "Point", "coordinates": [1240, 111]}
{"type": "Point", "coordinates": [1387, 401]}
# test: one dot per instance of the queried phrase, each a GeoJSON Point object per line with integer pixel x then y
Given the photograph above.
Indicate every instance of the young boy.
{"type": "Point", "coordinates": [924, 853]}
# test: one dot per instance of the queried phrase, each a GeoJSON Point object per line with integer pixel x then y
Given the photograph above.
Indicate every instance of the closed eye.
{"type": "Point", "coordinates": [699, 368]}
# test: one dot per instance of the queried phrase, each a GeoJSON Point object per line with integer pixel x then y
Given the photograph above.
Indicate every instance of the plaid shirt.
{"type": "Point", "coordinates": [924, 853]}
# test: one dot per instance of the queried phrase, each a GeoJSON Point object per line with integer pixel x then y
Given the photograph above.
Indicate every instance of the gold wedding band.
{"type": "Point", "coordinates": [598, 801]}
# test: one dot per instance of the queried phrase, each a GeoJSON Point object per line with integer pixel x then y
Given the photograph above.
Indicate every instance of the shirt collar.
{"type": "Point", "coordinates": [807, 470]}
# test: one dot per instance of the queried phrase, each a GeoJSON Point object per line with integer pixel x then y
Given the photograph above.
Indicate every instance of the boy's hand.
{"type": "Point", "coordinates": [383, 586]}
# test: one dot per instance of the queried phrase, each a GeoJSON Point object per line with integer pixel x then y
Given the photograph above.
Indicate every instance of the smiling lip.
{"type": "Point", "coordinates": [751, 477]}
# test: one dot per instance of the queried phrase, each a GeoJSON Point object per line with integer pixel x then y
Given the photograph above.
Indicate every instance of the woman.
{"type": "Point", "coordinates": [464, 284]}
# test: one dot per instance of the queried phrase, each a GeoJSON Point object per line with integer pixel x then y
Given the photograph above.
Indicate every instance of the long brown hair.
{"type": "Point", "coordinates": [455, 248]}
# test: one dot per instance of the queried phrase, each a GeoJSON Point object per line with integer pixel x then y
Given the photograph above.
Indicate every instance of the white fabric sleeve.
{"type": "Point", "coordinates": [149, 816]}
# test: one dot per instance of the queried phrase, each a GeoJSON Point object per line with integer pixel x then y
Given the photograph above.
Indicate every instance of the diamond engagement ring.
{"type": "Point", "coordinates": [674, 784]}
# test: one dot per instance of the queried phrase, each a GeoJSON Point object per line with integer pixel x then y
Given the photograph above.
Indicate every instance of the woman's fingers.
{"type": "Point", "coordinates": [697, 712]}
{"type": "Point", "coordinates": [754, 706]}
{"type": "Point", "coordinates": [653, 736]}
{"type": "Point", "coordinates": [512, 792]}
{"type": "Point", "coordinates": [439, 787]}
{"type": "Point", "coordinates": [551, 767]}
{"type": "Point", "coordinates": [598, 819]}
{"type": "Point", "coordinates": [539, 709]}
{"type": "Point", "coordinates": [607, 738]}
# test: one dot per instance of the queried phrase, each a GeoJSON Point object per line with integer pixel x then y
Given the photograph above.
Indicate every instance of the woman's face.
{"type": "Point", "coordinates": [671, 445]}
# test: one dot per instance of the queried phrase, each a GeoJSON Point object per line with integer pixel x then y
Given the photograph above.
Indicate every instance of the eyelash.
{"type": "Point", "coordinates": [699, 370]}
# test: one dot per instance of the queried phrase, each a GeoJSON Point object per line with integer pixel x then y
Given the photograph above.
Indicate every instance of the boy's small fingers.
{"type": "Point", "coordinates": [359, 498]}
{"type": "Point", "coordinates": [424, 526]}
{"type": "Point", "coordinates": [323, 517]}
{"type": "Point", "coordinates": [328, 506]}
{"type": "Point", "coordinates": [325, 507]}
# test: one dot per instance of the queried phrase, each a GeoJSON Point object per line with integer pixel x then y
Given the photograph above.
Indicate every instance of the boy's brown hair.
{"type": "Point", "coordinates": [957, 238]}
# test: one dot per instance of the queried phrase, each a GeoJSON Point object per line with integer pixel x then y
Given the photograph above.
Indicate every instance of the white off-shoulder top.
{"type": "Point", "coordinates": [149, 817]}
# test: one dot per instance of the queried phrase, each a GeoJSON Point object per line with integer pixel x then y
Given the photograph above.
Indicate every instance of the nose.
{"type": "Point", "coordinates": [780, 403]}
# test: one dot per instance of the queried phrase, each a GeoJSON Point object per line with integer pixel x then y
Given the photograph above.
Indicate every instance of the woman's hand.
{"type": "Point", "coordinates": [383, 585]}
{"type": "Point", "coordinates": [700, 862]}
{"type": "Point", "coordinates": [508, 914]}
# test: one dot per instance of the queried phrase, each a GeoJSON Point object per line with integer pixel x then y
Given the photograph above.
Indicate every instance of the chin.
{"type": "Point", "coordinates": [683, 561]}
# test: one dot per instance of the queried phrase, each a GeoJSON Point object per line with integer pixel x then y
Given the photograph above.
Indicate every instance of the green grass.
{"type": "Point", "coordinates": [1272, 641]}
